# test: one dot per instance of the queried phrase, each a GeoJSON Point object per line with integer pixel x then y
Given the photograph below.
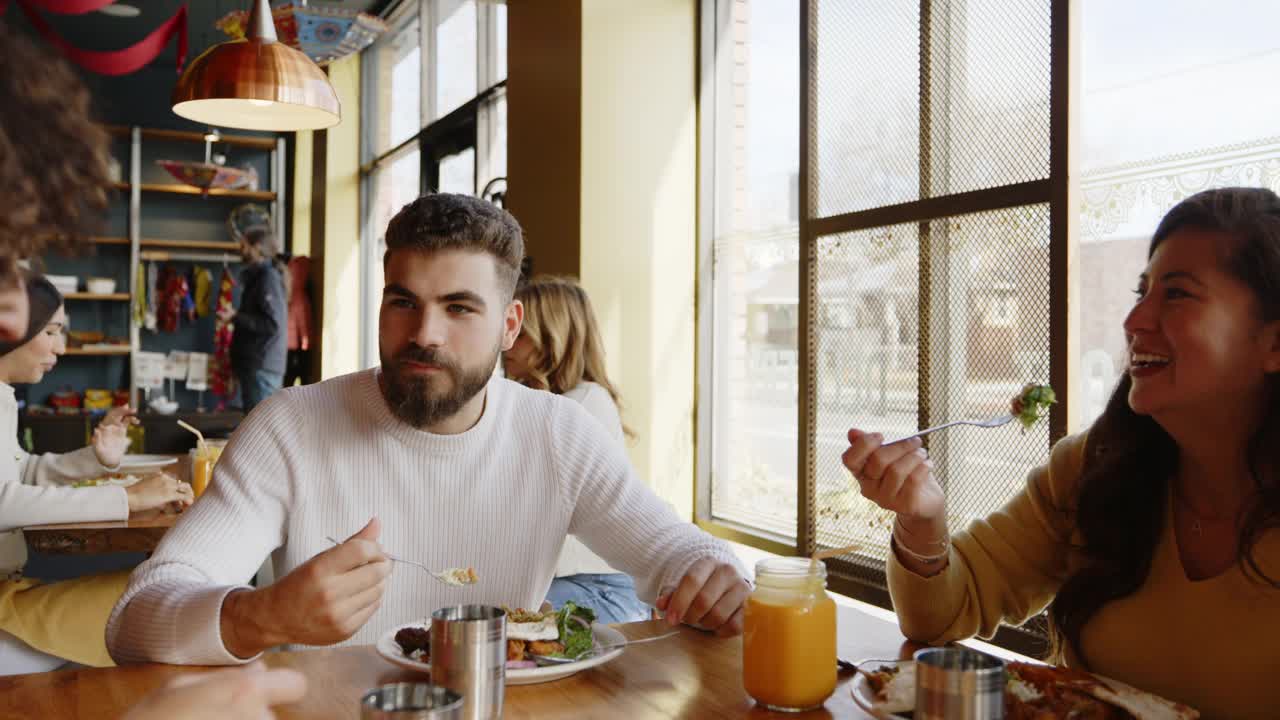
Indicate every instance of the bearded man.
{"type": "Point", "coordinates": [430, 457]}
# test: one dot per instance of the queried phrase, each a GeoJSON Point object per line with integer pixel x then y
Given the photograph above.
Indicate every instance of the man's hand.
{"type": "Point", "coordinates": [246, 693]}
{"type": "Point", "coordinates": [323, 601]}
{"type": "Point", "coordinates": [710, 595]}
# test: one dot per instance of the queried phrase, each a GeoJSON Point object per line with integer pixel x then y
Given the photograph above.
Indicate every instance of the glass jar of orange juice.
{"type": "Point", "coordinates": [203, 458]}
{"type": "Point", "coordinates": [789, 636]}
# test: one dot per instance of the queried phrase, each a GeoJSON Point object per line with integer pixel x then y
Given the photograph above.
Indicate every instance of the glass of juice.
{"type": "Point", "coordinates": [202, 461]}
{"type": "Point", "coordinates": [789, 636]}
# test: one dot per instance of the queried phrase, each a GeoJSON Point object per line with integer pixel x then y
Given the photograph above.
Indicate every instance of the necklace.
{"type": "Point", "coordinates": [1197, 526]}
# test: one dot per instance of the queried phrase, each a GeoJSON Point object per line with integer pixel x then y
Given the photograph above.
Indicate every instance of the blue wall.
{"type": "Point", "coordinates": [142, 99]}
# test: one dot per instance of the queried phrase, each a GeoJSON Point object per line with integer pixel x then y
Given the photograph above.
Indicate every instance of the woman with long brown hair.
{"type": "Point", "coordinates": [1151, 538]}
{"type": "Point", "coordinates": [559, 350]}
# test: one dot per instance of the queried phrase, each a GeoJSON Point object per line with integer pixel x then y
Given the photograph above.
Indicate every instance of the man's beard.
{"type": "Point", "coordinates": [421, 400]}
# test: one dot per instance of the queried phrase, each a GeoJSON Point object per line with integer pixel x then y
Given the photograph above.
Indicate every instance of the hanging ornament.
{"type": "Point", "coordinates": [109, 62]}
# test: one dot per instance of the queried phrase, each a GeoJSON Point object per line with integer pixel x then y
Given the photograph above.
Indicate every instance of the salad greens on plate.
{"type": "Point", "coordinates": [574, 623]}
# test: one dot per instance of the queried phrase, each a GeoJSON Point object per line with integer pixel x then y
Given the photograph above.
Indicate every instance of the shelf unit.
{"type": "Point", "coordinates": [161, 249]}
{"type": "Point", "coordinates": [224, 245]}
{"type": "Point", "coordinates": [122, 350]}
{"type": "Point", "coordinates": [177, 189]}
{"type": "Point", "coordinates": [97, 296]}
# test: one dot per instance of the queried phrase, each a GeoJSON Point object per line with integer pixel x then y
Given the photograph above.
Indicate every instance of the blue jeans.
{"type": "Point", "coordinates": [257, 385]}
{"type": "Point", "coordinates": [611, 595]}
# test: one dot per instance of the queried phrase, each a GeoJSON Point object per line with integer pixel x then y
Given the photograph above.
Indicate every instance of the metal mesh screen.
{"type": "Point", "coordinates": [979, 119]}
{"type": "Point", "coordinates": [988, 94]}
{"type": "Point", "coordinates": [866, 78]}
{"type": "Point", "coordinates": [978, 287]}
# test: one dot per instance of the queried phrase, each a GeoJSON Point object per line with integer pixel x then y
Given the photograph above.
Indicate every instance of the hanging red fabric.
{"type": "Point", "coordinates": [108, 62]}
{"type": "Point", "coordinates": [69, 7]}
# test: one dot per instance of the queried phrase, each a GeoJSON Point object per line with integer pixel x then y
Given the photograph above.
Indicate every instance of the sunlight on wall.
{"type": "Point", "coordinates": [341, 352]}
{"type": "Point", "coordinates": [639, 221]}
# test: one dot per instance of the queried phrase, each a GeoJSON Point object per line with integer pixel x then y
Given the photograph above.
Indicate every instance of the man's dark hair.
{"type": "Point", "coordinates": [443, 221]}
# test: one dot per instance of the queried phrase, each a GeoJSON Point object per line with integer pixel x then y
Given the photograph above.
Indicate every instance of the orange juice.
{"type": "Point", "coordinates": [202, 467]}
{"type": "Point", "coordinates": [789, 636]}
{"type": "Point", "coordinates": [201, 471]}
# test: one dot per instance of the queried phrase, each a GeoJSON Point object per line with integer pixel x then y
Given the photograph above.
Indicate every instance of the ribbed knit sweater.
{"type": "Point", "coordinates": [36, 489]}
{"type": "Point", "coordinates": [322, 459]}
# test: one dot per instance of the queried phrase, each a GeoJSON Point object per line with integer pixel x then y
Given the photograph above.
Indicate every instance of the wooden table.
{"type": "Point", "coordinates": [140, 533]}
{"type": "Point", "coordinates": [692, 675]}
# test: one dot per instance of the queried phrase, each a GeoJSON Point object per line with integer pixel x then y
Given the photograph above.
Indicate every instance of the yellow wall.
{"type": "Point", "coordinates": [639, 220]}
{"type": "Point", "coordinates": [302, 192]}
{"type": "Point", "coordinates": [340, 347]}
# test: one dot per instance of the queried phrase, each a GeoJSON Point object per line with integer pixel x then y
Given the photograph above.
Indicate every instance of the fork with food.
{"type": "Point", "coordinates": [448, 576]}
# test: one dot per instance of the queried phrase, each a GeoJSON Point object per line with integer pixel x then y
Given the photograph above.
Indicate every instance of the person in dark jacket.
{"type": "Point", "coordinates": [258, 344]}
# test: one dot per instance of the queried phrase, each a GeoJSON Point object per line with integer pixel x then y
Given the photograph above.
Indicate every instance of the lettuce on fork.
{"type": "Point", "coordinates": [1032, 404]}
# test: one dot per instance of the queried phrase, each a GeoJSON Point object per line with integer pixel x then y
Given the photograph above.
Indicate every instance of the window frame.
{"type": "Point", "coordinates": [462, 128]}
{"type": "Point", "coordinates": [1057, 190]}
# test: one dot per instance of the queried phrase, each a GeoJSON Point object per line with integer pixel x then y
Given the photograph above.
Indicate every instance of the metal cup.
{"type": "Point", "coordinates": [956, 683]}
{"type": "Point", "coordinates": [469, 657]}
{"type": "Point", "coordinates": [410, 701]}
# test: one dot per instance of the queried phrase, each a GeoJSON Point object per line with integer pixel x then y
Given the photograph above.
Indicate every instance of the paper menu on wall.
{"type": "Point", "coordinates": [197, 371]}
{"type": "Point", "coordinates": [175, 365]}
{"type": "Point", "coordinates": [149, 369]}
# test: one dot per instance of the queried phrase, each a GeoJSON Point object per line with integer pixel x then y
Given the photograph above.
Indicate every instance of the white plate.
{"type": "Point", "coordinates": [145, 462]}
{"type": "Point", "coordinates": [863, 696]}
{"type": "Point", "coordinates": [604, 635]}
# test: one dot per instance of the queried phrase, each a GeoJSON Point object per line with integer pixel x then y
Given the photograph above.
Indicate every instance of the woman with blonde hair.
{"type": "Point", "coordinates": [559, 350]}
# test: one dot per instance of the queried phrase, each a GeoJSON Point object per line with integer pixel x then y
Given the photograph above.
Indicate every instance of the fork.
{"type": "Point", "coordinates": [550, 660]}
{"type": "Point", "coordinates": [988, 423]}
{"type": "Point", "coordinates": [440, 576]}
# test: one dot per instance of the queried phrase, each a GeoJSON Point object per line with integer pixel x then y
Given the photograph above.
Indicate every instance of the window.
{"type": "Point", "coordinates": [1164, 113]}
{"type": "Point", "coordinates": [456, 60]}
{"type": "Point", "coordinates": [435, 119]}
{"type": "Point", "coordinates": [754, 375]}
{"type": "Point", "coordinates": [882, 261]}
{"type": "Point", "coordinates": [913, 267]}
{"type": "Point", "coordinates": [398, 88]}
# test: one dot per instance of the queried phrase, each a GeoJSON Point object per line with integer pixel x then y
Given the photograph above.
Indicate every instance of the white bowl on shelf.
{"type": "Point", "coordinates": [164, 406]}
{"type": "Point", "coordinates": [66, 284]}
{"type": "Point", "coordinates": [100, 285]}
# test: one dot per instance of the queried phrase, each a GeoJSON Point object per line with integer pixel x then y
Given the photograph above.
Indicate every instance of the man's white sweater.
{"type": "Point", "coordinates": [321, 460]}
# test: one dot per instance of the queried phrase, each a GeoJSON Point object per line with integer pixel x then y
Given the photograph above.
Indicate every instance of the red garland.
{"type": "Point", "coordinates": [68, 7]}
{"type": "Point", "coordinates": [110, 62]}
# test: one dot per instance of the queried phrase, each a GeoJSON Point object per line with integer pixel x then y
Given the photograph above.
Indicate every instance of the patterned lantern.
{"type": "Point", "coordinates": [324, 34]}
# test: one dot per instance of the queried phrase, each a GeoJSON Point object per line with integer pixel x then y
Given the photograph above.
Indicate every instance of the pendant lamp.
{"type": "Point", "coordinates": [256, 83]}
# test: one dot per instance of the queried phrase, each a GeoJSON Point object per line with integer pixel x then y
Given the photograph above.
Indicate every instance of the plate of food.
{"type": "Point", "coordinates": [886, 689]}
{"type": "Point", "coordinates": [134, 463]}
{"type": "Point", "coordinates": [110, 480]}
{"type": "Point", "coordinates": [567, 632]}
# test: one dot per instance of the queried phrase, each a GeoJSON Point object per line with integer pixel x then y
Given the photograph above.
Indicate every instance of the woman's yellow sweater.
{"type": "Point", "coordinates": [1213, 644]}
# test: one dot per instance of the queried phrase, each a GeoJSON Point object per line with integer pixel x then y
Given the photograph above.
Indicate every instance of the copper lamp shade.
{"type": "Point", "coordinates": [257, 84]}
